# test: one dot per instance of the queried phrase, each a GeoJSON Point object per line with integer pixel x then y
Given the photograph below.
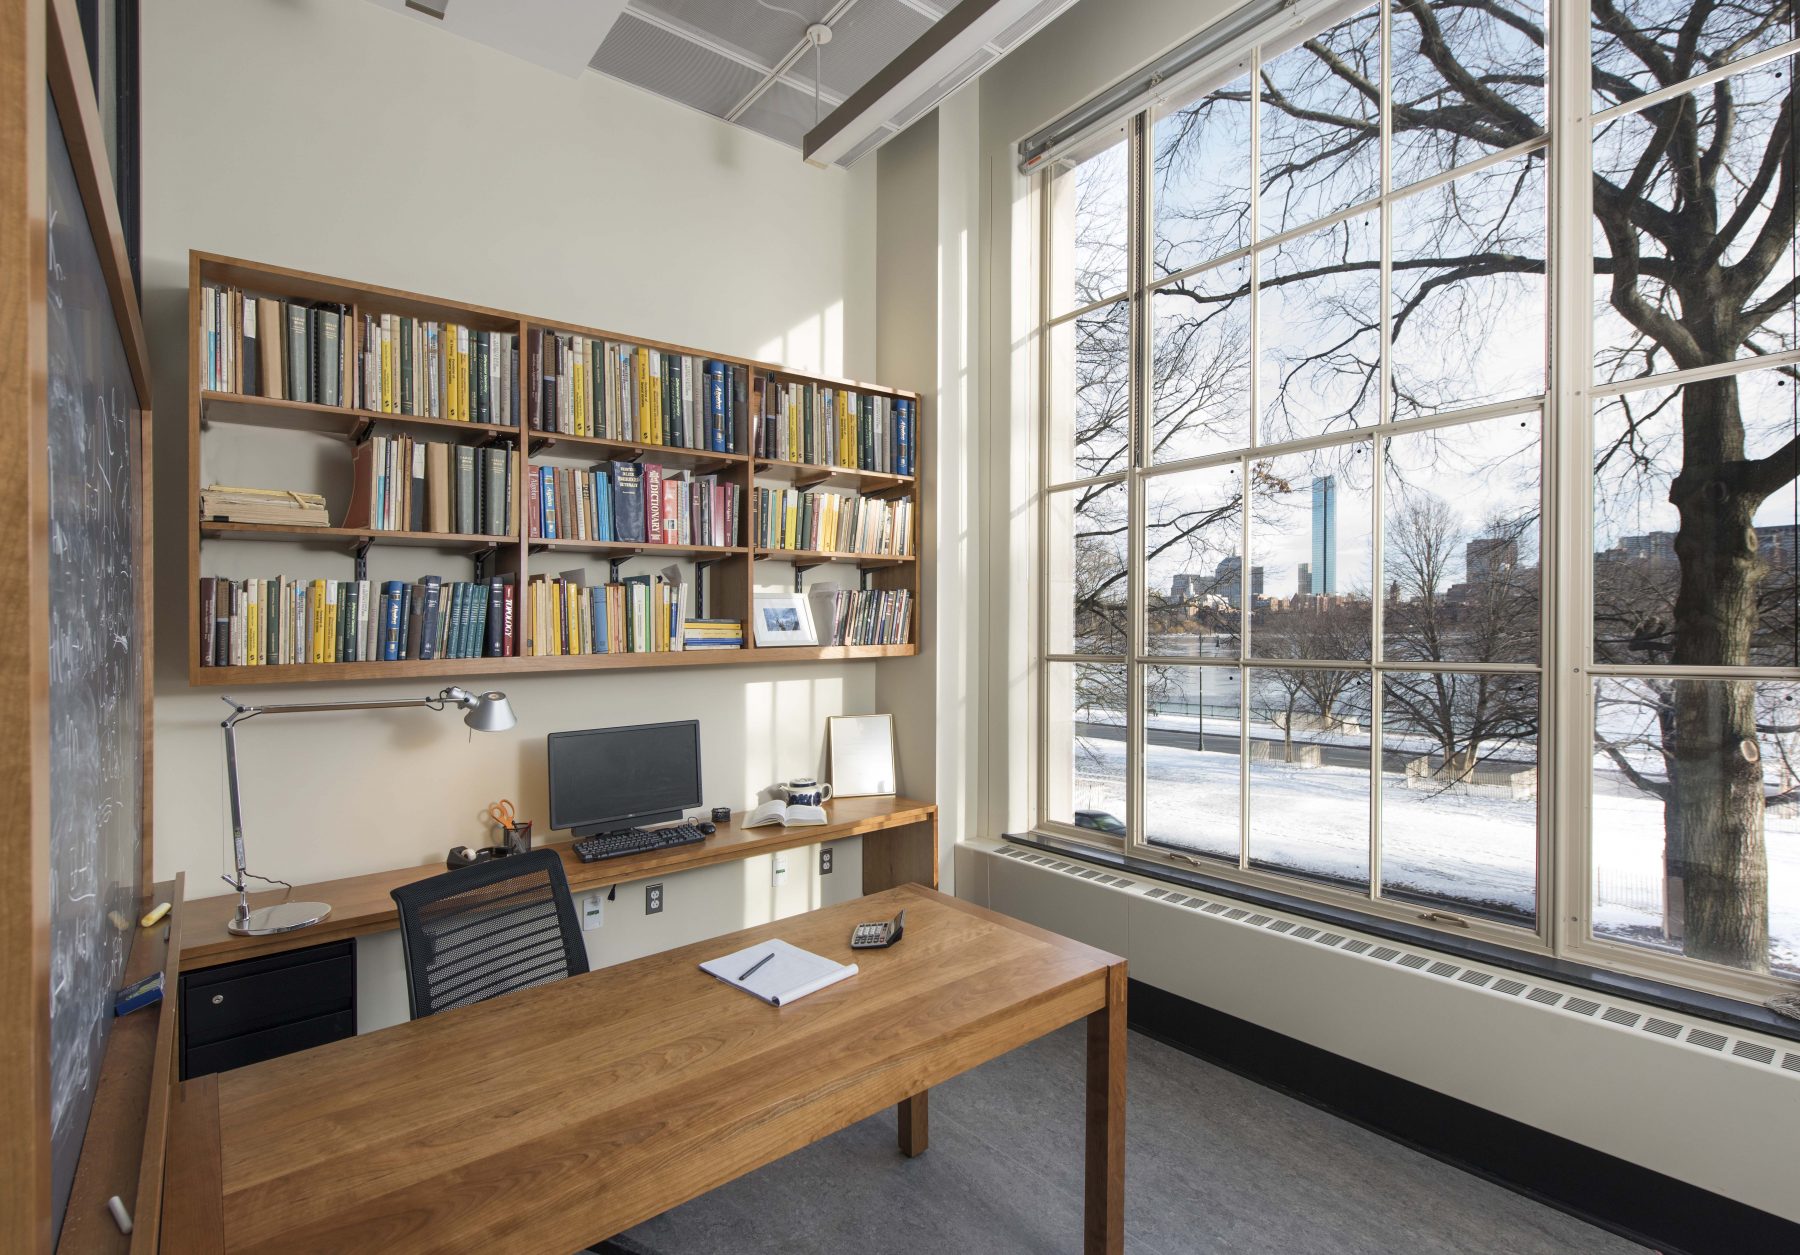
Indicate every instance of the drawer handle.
{"type": "Point", "coordinates": [218, 998]}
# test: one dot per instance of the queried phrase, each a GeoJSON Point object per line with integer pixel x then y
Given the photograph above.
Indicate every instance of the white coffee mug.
{"type": "Point", "coordinates": [806, 792]}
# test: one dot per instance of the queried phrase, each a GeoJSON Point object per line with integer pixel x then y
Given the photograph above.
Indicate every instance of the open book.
{"type": "Point", "coordinates": [778, 972]}
{"type": "Point", "coordinates": [779, 812]}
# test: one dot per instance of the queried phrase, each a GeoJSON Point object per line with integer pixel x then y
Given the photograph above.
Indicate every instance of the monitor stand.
{"type": "Point", "coordinates": [641, 821]}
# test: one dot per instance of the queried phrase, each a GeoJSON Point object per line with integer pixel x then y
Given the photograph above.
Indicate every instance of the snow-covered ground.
{"type": "Point", "coordinates": [1475, 845]}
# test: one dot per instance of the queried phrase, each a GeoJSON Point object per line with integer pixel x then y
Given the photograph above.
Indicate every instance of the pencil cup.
{"type": "Point", "coordinates": [518, 837]}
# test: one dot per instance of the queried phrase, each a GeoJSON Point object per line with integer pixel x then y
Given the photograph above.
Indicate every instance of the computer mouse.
{"type": "Point", "coordinates": [707, 826]}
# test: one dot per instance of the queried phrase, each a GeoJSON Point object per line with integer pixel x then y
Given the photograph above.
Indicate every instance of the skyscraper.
{"type": "Point", "coordinates": [1324, 537]}
{"type": "Point", "coordinates": [1305, 585]}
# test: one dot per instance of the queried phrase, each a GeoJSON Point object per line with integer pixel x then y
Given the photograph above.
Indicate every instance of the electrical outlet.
{"type": "Point", "coordinates": [653, 899]}
{"type": "Point", "coordinates": [779, 877]}
{"type": "Point", "coordinates": [824, 860]}
{"type": "Point", "coordinates": [593, 911]}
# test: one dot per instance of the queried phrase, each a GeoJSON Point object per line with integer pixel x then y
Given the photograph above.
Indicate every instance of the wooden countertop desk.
{"type": "Point", "coordinates": [900, 845]}
{"type": "Point", "coordinates": [555, 1117]}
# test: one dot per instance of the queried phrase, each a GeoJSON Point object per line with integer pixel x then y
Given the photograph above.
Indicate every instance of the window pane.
{"type": "Point", "coordinates": [1468, 303]}
{"type": "Point", "coordinates": [1704, 229]}
{"type": "Point", "coordinates": [1742, 604]}
{"type": "Point", "coordinates": [1639, 45]}
{"type": "Point", "coordinates": [1084, 731]}
{"type": "Point", "coordinates": [1201, 364]}
{"type": "Point", "coordinates": [1191, 756]}
{"type": "Point", "coordinates": [1193, 562]}
{"type": "Point", "coordinates": [1089, 208]}
{"type": "Point", "coordinates": [1309, 774]}
{"type": "Point", "coordinates": [1086, 566]}
{"type": "Point", "coordinates": [1321, 131]}
{"type": "Point", "coordinates": [1480, 89]}
{"type": "Point", "coordinates": [1312, 558]}
{"type": "Point", "coordinates": [1696, 843]}
{"type": "Point", "coordinates": [1201, 164]}
{"type": "Point", "coordinates": [1321, 331]}
{"type": "Point", "coordinates": [1459, 541]}
{"type": "Point", "coordinates": [1090, 394]}
{"type": "Point", "coordinates": [1459, 792]}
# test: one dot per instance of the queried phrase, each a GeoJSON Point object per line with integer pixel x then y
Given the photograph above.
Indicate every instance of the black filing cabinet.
{"type": "Point", "coordinates": [256, 1009]}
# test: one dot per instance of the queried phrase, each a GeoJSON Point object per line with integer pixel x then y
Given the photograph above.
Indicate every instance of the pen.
{"type": "Point", "coordinates": [757, 964]}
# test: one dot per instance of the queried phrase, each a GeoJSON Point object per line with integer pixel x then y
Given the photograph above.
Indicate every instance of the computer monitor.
{"type": "Point", "coordinates": [603, 779]}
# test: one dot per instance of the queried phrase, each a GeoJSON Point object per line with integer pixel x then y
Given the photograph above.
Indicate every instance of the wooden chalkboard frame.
{"type": "Point", "coordinates": [41, 42]}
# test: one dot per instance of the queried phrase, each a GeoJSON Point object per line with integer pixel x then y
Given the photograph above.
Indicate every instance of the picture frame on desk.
{"type": "Point", "coordinates": [862, 755]}
{"type": "Point", "coordinates": [783, 619]}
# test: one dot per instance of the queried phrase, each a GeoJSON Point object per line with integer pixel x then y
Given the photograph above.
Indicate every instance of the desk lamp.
{"type": "Point", "coordinates": [484, 712]}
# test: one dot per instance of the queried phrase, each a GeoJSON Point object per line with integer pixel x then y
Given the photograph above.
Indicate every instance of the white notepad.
{"type": "Point", "coordinates": [790, 972]}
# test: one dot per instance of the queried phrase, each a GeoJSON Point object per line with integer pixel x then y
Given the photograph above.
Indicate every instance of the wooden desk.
{"type": "Point", "coordinates": [554, 1117]}
{"type": "Point", "coordinates": [899, 847]}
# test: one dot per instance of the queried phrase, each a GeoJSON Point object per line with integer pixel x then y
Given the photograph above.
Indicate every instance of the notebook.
{"type": "Point", "coordinates": [789, 974]}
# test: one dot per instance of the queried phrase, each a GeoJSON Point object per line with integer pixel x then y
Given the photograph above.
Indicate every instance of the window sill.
{"type": "Point", "coordinates": [1738, 1014]}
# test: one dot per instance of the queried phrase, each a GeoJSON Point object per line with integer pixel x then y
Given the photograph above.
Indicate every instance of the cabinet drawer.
{"type": "Point", "coordinates": [236, 1052]}
{"type": "Point", "coordinates": [222, 1003]}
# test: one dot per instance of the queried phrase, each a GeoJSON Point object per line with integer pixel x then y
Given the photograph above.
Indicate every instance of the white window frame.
{"type": "Point", "coordinates": [1566, 670]}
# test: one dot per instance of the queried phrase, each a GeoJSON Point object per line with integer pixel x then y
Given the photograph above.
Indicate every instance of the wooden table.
{"type": "Point", "coordinates": [899, 845]}
{"type": "Point", "coordinates": [551, 1118]}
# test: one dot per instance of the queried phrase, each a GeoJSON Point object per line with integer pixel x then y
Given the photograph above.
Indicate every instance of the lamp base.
{"type": "Point", "coordinates": [283, 917]}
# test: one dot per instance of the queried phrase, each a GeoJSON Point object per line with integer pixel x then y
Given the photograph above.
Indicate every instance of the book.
{"type": "Point", "coordinates": [222, 503]}
{"type": "Point", "coordinates": [776, 811]}
{"type": "Point", "coordinates": [777, 972]}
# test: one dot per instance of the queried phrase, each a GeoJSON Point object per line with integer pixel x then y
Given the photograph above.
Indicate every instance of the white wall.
{"type": "Point", "coordinates": [1651, 1107]}
{"type": "Point", "coordinates": [336, 136]}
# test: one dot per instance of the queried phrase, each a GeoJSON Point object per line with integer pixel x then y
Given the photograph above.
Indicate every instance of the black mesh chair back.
{"type": "Point", "coordinates": [488, 929]}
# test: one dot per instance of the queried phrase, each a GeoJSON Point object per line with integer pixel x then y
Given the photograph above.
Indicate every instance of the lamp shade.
{"type": "Point", "coordinates": [489, 712]}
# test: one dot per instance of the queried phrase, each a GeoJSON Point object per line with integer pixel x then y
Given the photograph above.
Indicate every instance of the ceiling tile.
{"type": "Point", "coordinates": [761, 33]}
{"type": "Point", "coordinates": [650, 57]}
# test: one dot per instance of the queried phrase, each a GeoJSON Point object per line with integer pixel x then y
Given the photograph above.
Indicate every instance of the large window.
{"type": "Point", "coordinates": [1360, 581]}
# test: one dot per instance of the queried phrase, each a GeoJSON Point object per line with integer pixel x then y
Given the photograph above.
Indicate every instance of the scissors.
{"type": "Point", "coordinates": [502, 813]}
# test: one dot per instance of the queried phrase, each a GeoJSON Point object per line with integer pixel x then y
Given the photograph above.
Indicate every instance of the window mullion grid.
{"type": "Point", "coordinates": [1565, 821]}
{"type": "Point", "coordinates": [1142, 406]}
{"type": "Point", "coordinates": [1378, 445]}
{"type": "Point", "coordinates": [1253, 275]}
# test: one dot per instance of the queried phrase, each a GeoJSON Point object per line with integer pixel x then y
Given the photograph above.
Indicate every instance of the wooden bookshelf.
{"type": "Point", "coordinates": [731, 573]}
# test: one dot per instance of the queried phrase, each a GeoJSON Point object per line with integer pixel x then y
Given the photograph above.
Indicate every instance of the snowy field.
{"type": "Point", "coordinates": [1469, 844]}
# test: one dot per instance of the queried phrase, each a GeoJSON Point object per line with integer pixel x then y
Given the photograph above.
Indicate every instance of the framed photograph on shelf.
{"type": "Point", "coordinates": [862, 755]}
{"type": "Point", "coordinates": [783, 619]}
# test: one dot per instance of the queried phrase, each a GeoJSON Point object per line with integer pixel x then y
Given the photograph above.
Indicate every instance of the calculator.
{"type": "Point", "coordinates": [878, 936]}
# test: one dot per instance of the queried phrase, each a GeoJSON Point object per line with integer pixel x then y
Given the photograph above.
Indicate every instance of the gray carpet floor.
{"type": "Point", "coordinates": [1214, 1163]}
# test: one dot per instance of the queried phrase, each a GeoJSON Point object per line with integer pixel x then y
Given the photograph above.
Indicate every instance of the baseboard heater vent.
{"type": "Point", "coordinates": [1746, 1050]}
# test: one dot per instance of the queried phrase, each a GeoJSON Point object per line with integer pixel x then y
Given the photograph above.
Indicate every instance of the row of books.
{"type": "Point", "coordinates": [592, 387]}
{"type": "Point", "coordinates": [399, 484]}
{"type": "Point", "coordinates": [713, 634]}
{"type": "Point", "coordinates": [873, 616]}
{"type": "Point", "coordinates": [430, 369]}
{"type": "Point", "coordinates": [629, 501]}
{"type": "Point", "coordinates": [283, 621]}
{"type": "Point", "coordinates": [264, 346]}
{"type": "Point", "coordinates": [830, 522]}
{"type": "Point", "coordinates": [565, 615]}
{"type": "Point", "coordinates": [828, 426]}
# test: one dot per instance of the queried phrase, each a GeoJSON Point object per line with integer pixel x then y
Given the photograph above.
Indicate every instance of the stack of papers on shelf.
{"type": "Point", "coordinates": [219, 503]}
{"type": "Point", "coordinates": [790, 973]}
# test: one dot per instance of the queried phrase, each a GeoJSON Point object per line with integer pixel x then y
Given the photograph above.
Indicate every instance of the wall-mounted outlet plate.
{"type": "Point", "coordinates": [653, 899]}
{"type": "Point", "coordinates": [593, 911]}
{"type": "Point", "coordinates": [824, 860]}
{"type": "Point", "coordinates": [778, 876]}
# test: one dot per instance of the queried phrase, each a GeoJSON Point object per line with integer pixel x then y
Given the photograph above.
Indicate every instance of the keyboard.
{"type": "Point", "coordinates": [635, 841]}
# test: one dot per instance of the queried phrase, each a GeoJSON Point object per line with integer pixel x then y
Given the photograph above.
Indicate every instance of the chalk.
{"type": "Point", "coordinates": [120, 1216]}
{"type": "Point", "coordinates": [156, 912]}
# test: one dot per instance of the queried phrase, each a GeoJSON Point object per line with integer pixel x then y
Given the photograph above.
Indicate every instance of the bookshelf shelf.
{"type": "Point", "coordinates": [352, 536]}
{"type": "Point", "coordinates": [865, 560]}
{"type": "Point", "coordinates": [628, 549]}
{"type": "Point", "coordinates": [734, 575]}
{"type": "Point", "coordinates": [808, 475]}
{"type": "Point", "coordinates": [249, 411]}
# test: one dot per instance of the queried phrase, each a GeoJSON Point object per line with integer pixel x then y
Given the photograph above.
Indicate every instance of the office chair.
{"type": "Point", "coordinates": [488, 929]}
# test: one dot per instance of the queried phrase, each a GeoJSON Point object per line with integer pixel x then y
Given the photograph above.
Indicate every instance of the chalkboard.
{"type": "Point", "coordinates": [96, 662]}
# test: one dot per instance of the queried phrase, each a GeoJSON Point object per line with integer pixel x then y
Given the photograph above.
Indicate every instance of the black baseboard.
{"type": "Point", "coordinates": [1648, 1207]}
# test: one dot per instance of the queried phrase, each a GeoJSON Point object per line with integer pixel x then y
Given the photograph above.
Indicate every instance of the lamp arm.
{"type": "Point", "coordinates": [241, 712]}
